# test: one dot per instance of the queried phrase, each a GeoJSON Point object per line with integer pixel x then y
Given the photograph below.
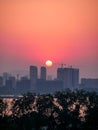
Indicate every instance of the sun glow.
{"type": "Point", "coordinates": [49, 63]}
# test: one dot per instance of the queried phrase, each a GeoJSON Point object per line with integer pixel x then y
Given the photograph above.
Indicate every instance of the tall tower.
{"type": "Point", "coordinates": [43, 73]}
{"type": "Point", "coordinates": [33, 77]}
{"type": "Point", "coordinates": [75, 78]}
{"type": "Point", "coordinates": [69, 76]}
{"type": "Point", "coordinates": [1, 81]}
{"type": "Point", "coordinates": [60, 74]}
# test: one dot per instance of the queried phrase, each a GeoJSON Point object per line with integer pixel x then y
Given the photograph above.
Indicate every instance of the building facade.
{"type": "Point", "coordinates": [33, 77]}
{"type": "Point", "coordinates": [43, 73]}
{"type": "Point", "coordinates": [69, 76]}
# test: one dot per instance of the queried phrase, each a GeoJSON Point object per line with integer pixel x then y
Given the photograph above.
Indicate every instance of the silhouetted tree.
{"type": "Point", "coordinates": [46, 107]}
{"type": "Point", "coordinates": [3, 107]}
{"type": "Point", "coordinates": [23, 105]}
{"type": "Point", "coordinates": [22, 109]}
{"type": "Point", "coordinates": [91, 118]}
{"type": "Point", "coordinates": [69, 115]}
{"type": "Point", "coordinates": [3, 120]}
{"type": "Point", "coordinates": [58, 111]}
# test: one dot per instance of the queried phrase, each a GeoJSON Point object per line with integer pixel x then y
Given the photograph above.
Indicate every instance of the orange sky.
{"type": "Point", "coordinates": [64, 31]}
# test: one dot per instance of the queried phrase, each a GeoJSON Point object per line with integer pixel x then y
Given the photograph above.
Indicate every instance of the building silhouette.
{"type": "Point", "coordinates": [60, 74]}
{"type": "Point", "coordinates": [48, 86]}
{"type": "Point", "coordinates": [69, 76]}
{"type": "Point", "coordinates": [1, 81]}
{"type": "Point", "coordinates": [5, 77]}
{"type": "Point", "coordinates": [11, 82]}
{"type": "Point", "coordinates": [75, 77]}
{"type": "Point", "coordinates": [89, 83]}
{"type": "Point", "coordinates": [43, 73]}
{"type": "Point", "coordinates": [33, 77]}
{"type": "Point", "coordinates": [23, 85]}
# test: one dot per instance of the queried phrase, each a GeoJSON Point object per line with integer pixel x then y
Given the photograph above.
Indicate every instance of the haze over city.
{"type": "Point", "coordinates": [32, 32]}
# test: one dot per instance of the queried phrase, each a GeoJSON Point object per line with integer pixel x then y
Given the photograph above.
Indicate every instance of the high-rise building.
{"type": "Point", "coordinates": [60, 74]}
{"type": "Point", "coordinates": [1, 81]}
{"type": "Point", "coordinates": [69, 76]}
{"type": "Point", "coordinates": [75, 77]}
{"type": "Point", "coordinates": [11, 82]}
{"type": "Point", "coordinates": [43, 73]}
{"type": "Point", "coordinates": [5, 77]}
{"type": "Point", "coordinates": [33, 77]}
{"type": "Point", "coordinates": [23, 85]}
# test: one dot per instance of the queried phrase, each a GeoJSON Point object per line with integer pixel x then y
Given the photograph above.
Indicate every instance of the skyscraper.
{"type": "Point", "coordinates": [33, 77]}
{"type": "Point", "coordinates": [5, 77]}
{"type": "Point", "coordinates": [11, 83]}
{"type": "Point", "coordinates": [60, 74]}
{"type": "Point", "coordinates": [43, 73]}
{"type": "Point", "coordinates": [75, 77]}
{"type": "Point", "coordinates": [1, 81]}
{"type": "Point", "coordinates": [69, 76]}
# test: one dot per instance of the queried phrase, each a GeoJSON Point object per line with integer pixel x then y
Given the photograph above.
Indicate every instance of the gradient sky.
{"type": "Point", "coordinates": [64, 31]}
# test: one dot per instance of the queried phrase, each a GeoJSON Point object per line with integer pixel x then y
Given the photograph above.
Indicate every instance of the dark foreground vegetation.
{"type": "Point", "coordinates": [67, 110]}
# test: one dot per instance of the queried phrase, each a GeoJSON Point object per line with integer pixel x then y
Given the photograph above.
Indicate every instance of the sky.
{"type": "Point", "coordinates": [63, 31]}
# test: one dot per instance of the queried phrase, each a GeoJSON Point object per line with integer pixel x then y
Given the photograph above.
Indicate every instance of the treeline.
{"type": "Point", "coordinates": [66, 110]}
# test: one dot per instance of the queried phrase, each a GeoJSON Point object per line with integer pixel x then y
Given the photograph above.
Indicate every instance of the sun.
{"type": "Point", "coordinates": [48, 63]}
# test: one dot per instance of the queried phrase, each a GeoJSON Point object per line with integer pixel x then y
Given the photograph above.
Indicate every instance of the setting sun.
{"type": "Point", "coordinates": [49, 63]}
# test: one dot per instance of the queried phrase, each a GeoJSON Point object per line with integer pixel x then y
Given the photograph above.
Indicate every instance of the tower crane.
{"type": "Point", "coordinates": [62, 65]}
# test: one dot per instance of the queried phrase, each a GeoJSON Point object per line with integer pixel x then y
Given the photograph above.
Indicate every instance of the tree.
{"type": "Point", "coordinates": [46, 108]}
{"type": "Point", "coordinates": [23, 105]}
{"type": "Point", "coordinates": [68, 116]}
{"type": "Point", "coordinates": [22, 111]}
{"type": "Point", "coordinates": [91, 118]}
{"type": "Point", "coordinates": [3, 107]}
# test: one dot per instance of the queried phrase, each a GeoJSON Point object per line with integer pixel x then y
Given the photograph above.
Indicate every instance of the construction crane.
{"type": "Point", "coordinates": [62, 65]}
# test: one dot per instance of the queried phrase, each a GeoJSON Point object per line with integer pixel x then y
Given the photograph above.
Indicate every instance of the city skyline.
{"type": "Point", "coordinates": [66, 77]}
{"type": "Point", "coordinates": [51, 71]}
{"type": "Point", "coordinates": [43, 72]}
{"type": "Point", "coordinates": [32, 32]}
